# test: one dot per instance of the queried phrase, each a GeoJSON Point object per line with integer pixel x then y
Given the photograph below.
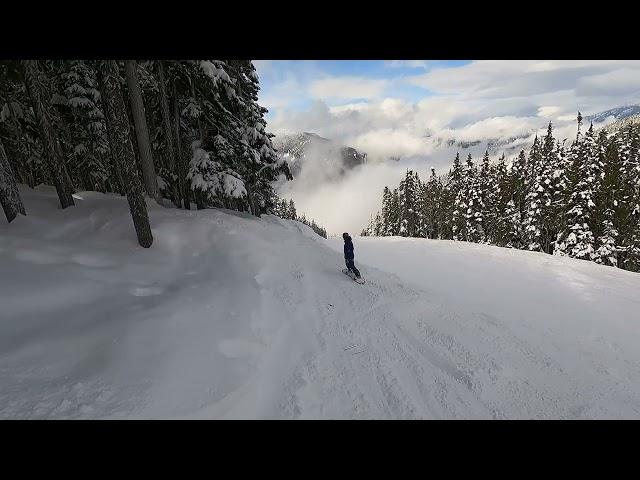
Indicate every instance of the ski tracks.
{"type": "Point", "coordinates": [368, 366]}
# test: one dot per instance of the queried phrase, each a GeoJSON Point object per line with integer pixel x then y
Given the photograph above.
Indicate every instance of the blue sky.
{"type": "Point", "coordinates": [275, 74]}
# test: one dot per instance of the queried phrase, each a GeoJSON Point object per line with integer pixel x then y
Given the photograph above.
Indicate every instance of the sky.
{"type": "Point", "coordinates": [410, 108]}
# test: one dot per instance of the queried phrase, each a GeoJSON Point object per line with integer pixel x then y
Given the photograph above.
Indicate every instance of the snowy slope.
{"type": "Point", "coordinates": [618, 113]}
{"type": "Point", "coordinates": [230, 316]}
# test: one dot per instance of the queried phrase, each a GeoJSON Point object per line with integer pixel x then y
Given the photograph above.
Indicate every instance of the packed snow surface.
{"type": "Point", "coordinates": [231, 316]}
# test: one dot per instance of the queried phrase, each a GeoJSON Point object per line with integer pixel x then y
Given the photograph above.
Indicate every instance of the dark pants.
{"type": "Point", "coordinates": [351, 266]}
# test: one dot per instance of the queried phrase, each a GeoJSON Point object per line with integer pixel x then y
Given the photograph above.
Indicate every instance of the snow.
{"type": "Point", "coordinates": [80, 102]}
{"type": "Point", "coordinates": [213, 72]}
{"type": "Point", "coordinates": [231, 316]}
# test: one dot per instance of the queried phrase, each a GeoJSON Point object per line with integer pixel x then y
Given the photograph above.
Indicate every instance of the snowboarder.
{"type": "Point", "coordinates": [348, 255]}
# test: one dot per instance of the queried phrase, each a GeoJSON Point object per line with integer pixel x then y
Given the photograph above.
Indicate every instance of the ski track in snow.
{"type": "Point", "coordinates": [229, 316]}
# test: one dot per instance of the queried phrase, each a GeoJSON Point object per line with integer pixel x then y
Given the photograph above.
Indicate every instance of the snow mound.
{"type": "Point", "coordinates": [233, 316]}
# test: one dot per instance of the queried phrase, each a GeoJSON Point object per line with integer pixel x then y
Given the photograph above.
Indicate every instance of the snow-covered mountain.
{"type": "Point", "coordinates": [618, 113]}
{"type": "Point", "coordinates": [622, 115]}
{"type": "Point", "coordinates": [622, 123]}
{"type": "Point", "coordinates": [303, 148]}
{"type": "Point", "coordinates": [232, 316]}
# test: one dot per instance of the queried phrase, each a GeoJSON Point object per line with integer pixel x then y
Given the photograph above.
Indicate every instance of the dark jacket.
{"type": "Point", "coordinates": [348, 248]}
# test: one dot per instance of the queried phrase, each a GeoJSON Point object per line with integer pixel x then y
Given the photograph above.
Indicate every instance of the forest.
{"type": "Point", "coordinates": [187, 134]}
{"type": "Point", "coordinates": [580, 200]}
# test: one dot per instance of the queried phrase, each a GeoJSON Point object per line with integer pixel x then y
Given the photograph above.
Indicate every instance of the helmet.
{"type": "Point", "coordinates": [345, 235]}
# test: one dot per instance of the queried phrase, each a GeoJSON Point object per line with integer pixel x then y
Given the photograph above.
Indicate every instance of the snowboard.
{"type": "Point", "coordinates": [352, 276]}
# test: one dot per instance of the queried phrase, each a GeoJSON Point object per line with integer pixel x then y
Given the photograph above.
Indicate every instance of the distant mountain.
{"type": "Point", "coordinates": [620, 124]}
{"type": "Point", "coordinates": [306, 149]}
{"type": "Point", "coordinates": [492, 145]}
{"type": "Point", "coordinates": [618, 113]}
{"type": "Point", "coordinates": [622, 115]}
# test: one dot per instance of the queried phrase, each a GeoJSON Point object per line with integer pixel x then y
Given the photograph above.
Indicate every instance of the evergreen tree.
{"type": "Point", "coordinates": [488, 188]}
{"type": "Point", "coordinates": [431, 201]}
{"type": "Point", "coordinates": [141, 130]}
{"type": "Point", "coordinates": [472, 199]}
{"type": "Point", "coordinates": [577, 239]}
{"type": "Point", "coordinates": [387, 200]}
{"type": "Point", "coordinates": [9, 195]}
{"type": "Point", "coordinates": [37, 86]}
{"type": "Point", "coordinates": [408, 209]}
{"type": "Point", "coordinates": [292, 210]}
{"type": "Point", "coordinates": [455, 196]}
{"type": "Point", "coordinates": [122, 151]}
{"type": "Point", "coordinates": [583, 202]}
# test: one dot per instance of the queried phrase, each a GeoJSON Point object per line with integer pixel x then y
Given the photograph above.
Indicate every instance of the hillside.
{"type": "Point", "coordinates": [231, 316]}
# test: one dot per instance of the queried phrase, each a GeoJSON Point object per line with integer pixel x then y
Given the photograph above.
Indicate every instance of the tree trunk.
{"type": "Point", "coordinates": [113, 166]}
{"type": "Point", "coordinates": [122, 150]}
{"type": "Point", "coordinates": [9, 194]}
{"type": "Point", "coordinates": [201, 129]}
{"type": "Point", "coordinates": [41, 108]}
{"type": "Point", "coordinates": [168, 135]}
{"type": "Point", "coordinates": [182, 172]}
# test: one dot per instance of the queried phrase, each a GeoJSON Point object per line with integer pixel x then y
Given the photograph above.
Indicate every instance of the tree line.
{"type": "Point", "coordinates": [580, 200]}
{"type": "Point", "coordinates": [186, 133]}
{"type": "Point", "coordinates": [287, 210]}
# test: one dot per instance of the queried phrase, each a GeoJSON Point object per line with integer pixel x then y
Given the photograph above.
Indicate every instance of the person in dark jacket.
{"type": "Point", "coordinates": [348, 254]}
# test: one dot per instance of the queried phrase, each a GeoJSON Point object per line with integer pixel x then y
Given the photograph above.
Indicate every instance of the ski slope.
{"type": "Point", "coordinates": [231, 316]}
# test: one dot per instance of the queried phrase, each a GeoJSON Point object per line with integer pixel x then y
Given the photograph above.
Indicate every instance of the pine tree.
{"type": "Point", "coordinates": [501, 207]}
{"type": "Point", "coordinates": [456, 198]}
{"type": "Point", "coordinates": [577, 239]}
{"type": "Point", "coordinates": [18, 128]}
{"type": "Point", "coordinates": [627, 200]}
{"type": "Point", "coordinates": [546, 198]}
{"type": "Point", "coordinates": [394, 214]}
{"type": "Point", "coordinates": [408, 208]}
{"type": "Point", "coordinates": [292, 210]}
{"type": "Point", "coordinates": [386, 212]}
{"type": "Point", "coordinates": [377, 225]}
{"type": "Point", "coordinates": [122, 151]}
{"type": "Point", "coordinates": [170, 179]}
{"type": "Point", "coordinates": [9, 194]}
{"type": "Point", "coordinates": [472, 199]}
{"type": "Point", "coordinates": [432, 197]}
{"type": "Point", "coordinates": [487, 185]}
{"type": "Point", "coordinates": [80, 124]}
{"type": "Point", "coordinates": [141, 130]}
{"type": "Point", "coordinates": [38, 92]}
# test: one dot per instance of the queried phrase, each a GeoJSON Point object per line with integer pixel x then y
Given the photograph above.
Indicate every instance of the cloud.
{"type": "Point", "coordinates": [344, 205]}
{"type": "Point", "coordinates": [548, 111]}
{"type": "Point", "coordinates": [480, 101]}
{"type": "Point", "coordinates": [512, 78]}
{"type": "Point", "coordinates": [407, 63]}
{"type": "Point", "coordinates": [387, 142]}
{"type": "Point", "coordinates": [624, 81]}
{"type": "Point", "coordinates": [347, 88]}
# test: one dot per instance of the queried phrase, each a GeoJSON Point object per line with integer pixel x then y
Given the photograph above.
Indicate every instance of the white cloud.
{"type": "Point", "coordinates": [347, 88]}
{"type": "Point", "coordinates": [624, 81]}
{"type": "Point", "coordinates": [548, 111]}
{"type": "Point", "coordinates": [387, 142]}
{"type": "Point", "coordinates": [513, 78]}
{"type": "Point", "coordinates": [407, 63]}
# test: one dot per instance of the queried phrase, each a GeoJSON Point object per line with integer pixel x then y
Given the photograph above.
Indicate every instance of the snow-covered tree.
{"type": "Point", "coordinates": [577, 239]}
